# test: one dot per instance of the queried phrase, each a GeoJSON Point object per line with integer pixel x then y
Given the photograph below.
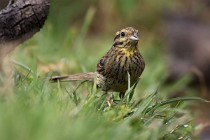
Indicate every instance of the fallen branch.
{"type": "Point", "coordinates": [19, 21]}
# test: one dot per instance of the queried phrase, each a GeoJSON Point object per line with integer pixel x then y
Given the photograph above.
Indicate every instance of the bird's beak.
{"type": "Point", "coordinates": [134, 37]}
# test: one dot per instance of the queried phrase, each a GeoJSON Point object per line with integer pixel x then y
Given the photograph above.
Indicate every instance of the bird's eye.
{"type": "Point", "coordinates": [122, 34]}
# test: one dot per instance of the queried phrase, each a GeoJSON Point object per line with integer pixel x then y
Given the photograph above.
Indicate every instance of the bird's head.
{"type": "Point", "coordinates": [126, 38]}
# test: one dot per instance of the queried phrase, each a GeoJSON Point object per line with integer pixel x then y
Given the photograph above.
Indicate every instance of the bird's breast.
{"type": "Point", "coordinates": [119, 64]}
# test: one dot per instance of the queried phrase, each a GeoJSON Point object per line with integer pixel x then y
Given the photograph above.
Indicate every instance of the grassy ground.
{"type": "Point", "coordinates": [43, 110]}
{"type": "Point", "coordinates": [46, 111]}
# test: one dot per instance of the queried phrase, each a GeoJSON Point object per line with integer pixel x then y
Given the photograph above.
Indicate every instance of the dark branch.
{"type": "Point", "coordinates": [10, 3]}
{"type": "Point", "coordinates": [20, 21]}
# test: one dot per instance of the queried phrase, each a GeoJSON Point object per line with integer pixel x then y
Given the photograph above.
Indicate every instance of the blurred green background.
{"type": "Point", "coordinates": [76, 35]}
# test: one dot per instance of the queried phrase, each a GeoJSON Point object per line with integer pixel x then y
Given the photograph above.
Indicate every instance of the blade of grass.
{"type": "Point", "coordinates": [178, 99]}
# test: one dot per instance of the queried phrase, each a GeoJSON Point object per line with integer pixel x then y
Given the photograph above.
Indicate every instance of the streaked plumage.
{"type": "Point", "coordinates": [112, 70]}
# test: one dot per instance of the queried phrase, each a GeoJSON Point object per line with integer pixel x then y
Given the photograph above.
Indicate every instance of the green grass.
{"type": "Point", "coordinates": [39, 110]}
{"type": "Point", "coordinates": [42, 110]}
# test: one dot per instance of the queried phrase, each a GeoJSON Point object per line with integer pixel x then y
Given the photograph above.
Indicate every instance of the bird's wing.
{"type": "Point", "coordinates": [101, 66]}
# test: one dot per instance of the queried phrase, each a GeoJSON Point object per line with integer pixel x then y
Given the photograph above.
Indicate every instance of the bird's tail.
{"type": "Point", "coordinates": [89, 76]}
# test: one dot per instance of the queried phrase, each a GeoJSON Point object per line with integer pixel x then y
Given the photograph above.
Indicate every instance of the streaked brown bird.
{"type": "Point", "coordinates": [112, 70]}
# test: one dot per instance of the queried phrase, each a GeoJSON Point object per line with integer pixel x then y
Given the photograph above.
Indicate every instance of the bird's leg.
{"type": "Point", "coordinates": [108, 100]}
{"type": "Point", "coordinates": [10, 3]}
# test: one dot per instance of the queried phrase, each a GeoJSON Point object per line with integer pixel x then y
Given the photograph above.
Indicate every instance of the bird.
{"type": "Point", "coordinates": [113, 70]}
